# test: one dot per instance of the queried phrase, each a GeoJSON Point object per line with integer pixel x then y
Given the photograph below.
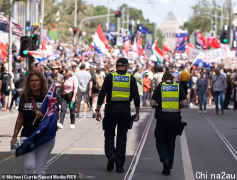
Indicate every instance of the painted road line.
{"type": "Point", "coordinates": [6, 159]}
{"type": "Point", "coordinates": [188, 169]}
{"type": "Point", "coordinates": [136, 157]}
{"type": "Point", "coordinates": [223, 138]}
{"type": "Point", "coordinates": [63, 151]}
{"type": "Point", "coordinates": [84, 149]}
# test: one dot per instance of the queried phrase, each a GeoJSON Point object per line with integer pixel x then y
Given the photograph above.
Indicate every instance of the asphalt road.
{"type": "Point", "coordinates": [206, 150]}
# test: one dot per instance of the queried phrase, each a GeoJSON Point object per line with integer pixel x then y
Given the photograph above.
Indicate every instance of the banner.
{"type": "Point", "coordinates": [180, 38]}
{"type": "Point", "coordinates": [4, 26]}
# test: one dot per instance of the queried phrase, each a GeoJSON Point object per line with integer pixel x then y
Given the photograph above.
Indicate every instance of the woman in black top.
{"type": "Point", "coordinates": [35, 90]}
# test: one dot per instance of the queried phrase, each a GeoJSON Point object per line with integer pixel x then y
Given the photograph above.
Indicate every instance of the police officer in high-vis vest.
{"type": "Point", "coordinates": [167, 99]}
{"type": "Point", "coordinates": [120, 88]}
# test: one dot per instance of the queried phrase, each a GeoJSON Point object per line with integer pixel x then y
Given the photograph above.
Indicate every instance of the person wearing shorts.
{"type": "Point", "coordinates": [83, 78]}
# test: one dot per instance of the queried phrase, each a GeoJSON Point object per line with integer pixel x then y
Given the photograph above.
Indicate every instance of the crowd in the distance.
{"type": "Point", "coordinates": [79, 74]}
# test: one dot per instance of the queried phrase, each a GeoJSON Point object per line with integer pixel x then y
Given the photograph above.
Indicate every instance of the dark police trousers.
{"type": "Point", "coordinates": [167, 128]}
{"type": "Point", "coordinates": [120, 118]}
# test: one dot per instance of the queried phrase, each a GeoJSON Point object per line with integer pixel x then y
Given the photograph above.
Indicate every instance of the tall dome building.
{"type": "Point", "coordinates": [168, 28]}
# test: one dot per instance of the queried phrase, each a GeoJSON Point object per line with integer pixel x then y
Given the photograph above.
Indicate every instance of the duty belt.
{"type": "Point", "coordinates": [170, 110]}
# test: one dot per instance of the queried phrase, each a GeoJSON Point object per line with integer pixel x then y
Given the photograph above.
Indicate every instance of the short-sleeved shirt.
{"type": "Point", "coordinates": [29, 114]}
{"type": "Point", "coordinates": [8, 78]}
{"type": "Point", "coordinates": [157, 95]}
{"type": "Point", "coordinates": [94, 90]}
{"type": "Point", "coordinates": [184, 76]}
{"type": "Point", "coordinates": [202, 85]}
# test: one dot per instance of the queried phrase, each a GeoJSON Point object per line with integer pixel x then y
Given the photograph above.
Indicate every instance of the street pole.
{"type": "Point", "coordinates": [27, 17]}
{"type": "Point", "coordinates": [108, 11]}
{"type": "Point", "coordinates": [41, 21]}
{"type": "Point", "coordinates": [128, 19]}
{"type": "Point", "coordinates": [118, 23]}
{"type": "Point", "coordinates": [231, 27]}
{"type": "Point", "coordinates": [123, 18]}
{"type": "Point", "coordinates": [10, 47]}
{"type": "Point", "coordinates": [211, 22]}
{"type": "Point", "coordinates": [75, 21]}
{"type": "Point", "coordinates": [92, 17]}
{"type": "Point", "coordinates": [216, 23]}
{"type": "Point", "coordinates": [221, 18]}
{"type": "Point", "coordinates": [155, 32]}
{"type": "Point", "coordinates": [36, 12]}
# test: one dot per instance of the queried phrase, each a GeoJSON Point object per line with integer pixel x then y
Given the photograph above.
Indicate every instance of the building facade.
{"type": "Point", "coordinates": [168, 28]}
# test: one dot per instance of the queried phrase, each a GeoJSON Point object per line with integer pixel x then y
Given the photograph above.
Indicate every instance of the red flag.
{"type": "Point", "coordinates": [213, 42]}
{"type": "Point", "coordinates": [139, 46]}
{"type": "Point", "coordinates": [201, 40]}
{"type": "Point", "coordinates": [165, 47]}
{"type": "Point", "coordinates": [44, 44]}
{"type": "Point", "coordinates": [126, 46]}
{"type": "Point", "coordinates": [188, 46]}
{"type": "Point", "coordinates": [3, 47]}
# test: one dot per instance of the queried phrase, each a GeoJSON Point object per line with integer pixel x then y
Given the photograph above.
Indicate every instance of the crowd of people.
{"type": "Point", "coordinates": [79, 76]}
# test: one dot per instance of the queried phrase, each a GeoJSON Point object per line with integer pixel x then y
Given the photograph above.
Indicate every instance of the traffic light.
{"type": "Point", "coordinates": [225, 36]}
{"type": "Point", "coordinates": [74, 31]}
{"type": "Point", "coordinates": [117, 14]}
{"type": "Point", "coordinates": [25, 46]}
{"type": "Point", "coordinates": [79, 33]}
{"type": "Point", "coordinates": [35, 40]}
{"type": "Point", "coordinates": [28, 27]}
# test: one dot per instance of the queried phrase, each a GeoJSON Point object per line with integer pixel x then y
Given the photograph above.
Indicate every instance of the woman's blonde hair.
{"type": "Point", "coordinates": [26, 95]}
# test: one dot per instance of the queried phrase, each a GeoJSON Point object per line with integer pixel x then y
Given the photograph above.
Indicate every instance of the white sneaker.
{"type": "Point", "coordinates": [191, 104]}
{"type": "Point", "coordinates": [2, 109]}
{"type": "Point", "coordinates": [200, 112]}
{"type": "Point", "coordinates": [84, 116]}
{"type": "Point", "coordinates": [16, 107]}
{"type": "Point", "coordinates": [205, 112]}
{"type": "Point", "coordinates": [60, 126]}
{"type": "Point", "coordinates": [72, 126]}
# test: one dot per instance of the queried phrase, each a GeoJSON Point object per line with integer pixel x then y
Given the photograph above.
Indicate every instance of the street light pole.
{"type": "Point", "coordinates": [108, 11]}
{"type": "Point", "coordinates": [92, 17]}
{"type": "Point", "coordinates": [10, 46]}
{"type": "Point", "coordinates": [75, 21]}
{"type": "Point", "coordinates": [41, 21]}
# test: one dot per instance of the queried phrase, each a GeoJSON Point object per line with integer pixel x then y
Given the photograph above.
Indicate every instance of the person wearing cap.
{"type": "Point", "coordinates": [119, 87]}
{"type": "Point", "coordinates": [167, 99]}
{"type": "Point", "coordinates": [146, 88]}
{"type": "Point", "coordinates": [69, 85]}
{"type": "Point", "coordinates": [56, 78]}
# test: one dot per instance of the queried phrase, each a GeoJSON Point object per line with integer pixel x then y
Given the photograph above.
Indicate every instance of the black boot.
{"type": "Point", "coordinates": [166, 167]}
{"type": "Point", "coordinates": [110, 164]}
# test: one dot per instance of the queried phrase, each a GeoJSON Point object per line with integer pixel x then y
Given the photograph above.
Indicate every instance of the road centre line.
{"type": "Point", "coordinates": [188, 169]}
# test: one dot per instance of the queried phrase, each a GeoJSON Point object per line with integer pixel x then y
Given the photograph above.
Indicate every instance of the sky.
{"type": "Point", "coordinates": [155, 10]}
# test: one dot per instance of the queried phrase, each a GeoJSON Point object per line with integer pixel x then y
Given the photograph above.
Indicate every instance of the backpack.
{"type": "Point", "coordinates": [5, 84]}
{"type": "Point", "coordinates": [99, 80]}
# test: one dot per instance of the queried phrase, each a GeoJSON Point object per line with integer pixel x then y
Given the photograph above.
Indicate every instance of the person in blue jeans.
{"type": "Point", "coordinates": [202, 89]}
{"type": "Point", "coordinates": [219, 85]}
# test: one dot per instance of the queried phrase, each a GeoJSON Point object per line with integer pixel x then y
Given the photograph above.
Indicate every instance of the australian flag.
{"type": "Point", "coordinates": [201, 61]}
{"type": "Point", "coordinates": [144, 30]}
{"type": "Point", "coordinates": [180, 39]}
{"type": "Point", "coordinates": [109, 36]}
{"type": "Point", "coordinates": [46, 129]}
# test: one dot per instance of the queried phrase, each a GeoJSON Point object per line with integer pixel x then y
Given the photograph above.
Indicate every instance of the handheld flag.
{"type": "Point", "coordinates": [143, 29]}
{"type": "Point", "coordinates": [101, 44]}
{"type": "Point", "coordinates": [201, 61]}
{"type": "Point", "coordinates": [180, 39]}
{"type": "Point", "coordinates": [157, 52]}
{"type": "Point", "coordinates": [46, 130]}
{"type": "Point", "coordinates": [165, 47]}
{"type": "Point", "coordinates": [110, 36]}
{"type": "Point", "coordinates": [201, 42]}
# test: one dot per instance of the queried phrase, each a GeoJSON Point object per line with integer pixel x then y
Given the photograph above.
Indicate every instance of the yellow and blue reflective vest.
{"type": "Point", "coordinates": [170, 97]}
{"type": "Point", "coordinates": [121, 86]}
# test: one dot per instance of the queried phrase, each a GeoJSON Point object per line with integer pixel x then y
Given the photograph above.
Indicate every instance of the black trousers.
{"type": "Point", "coordinates": [120, 118]}
{"type": "Point", "coordinates": [227, 98]}
{"type": "Point", "coordinates": [16, 95]}
{"type": "Point", "coordinates": [184, 85]}
{"type": "Point", "coordinates": [167, 128]}
{"type": "Point", "coordinates": [66, 99]}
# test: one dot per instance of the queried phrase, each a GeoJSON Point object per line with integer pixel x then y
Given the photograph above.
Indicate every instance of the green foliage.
{"type": "Point", "coordinates": [201, 18]}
